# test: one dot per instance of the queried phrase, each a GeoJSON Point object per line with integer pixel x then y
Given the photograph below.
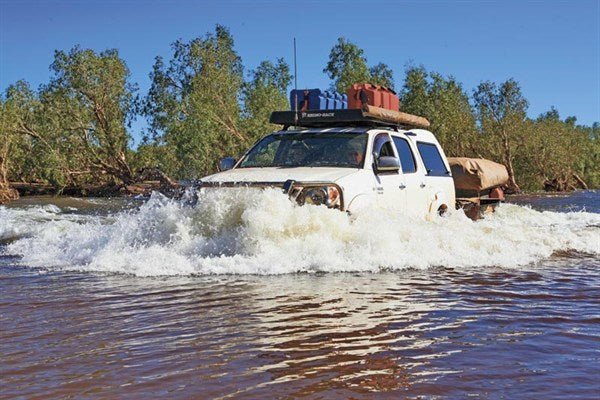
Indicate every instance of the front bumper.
{"type": "Point", "coordinates": [290, 187]}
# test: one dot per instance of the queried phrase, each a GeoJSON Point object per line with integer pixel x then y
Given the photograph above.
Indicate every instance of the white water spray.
{"type": "Point", "coordinates": [249, 231]}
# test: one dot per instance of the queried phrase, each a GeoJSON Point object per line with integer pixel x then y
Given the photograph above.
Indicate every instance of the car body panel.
{"type": "Point", "coordinates": [280, 174]}
{"type": "Point", "coordinates": [416, 193]}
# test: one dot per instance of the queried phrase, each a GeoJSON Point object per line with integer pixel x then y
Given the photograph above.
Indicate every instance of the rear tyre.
{"type": "Point", "coordinates": [442, 210]}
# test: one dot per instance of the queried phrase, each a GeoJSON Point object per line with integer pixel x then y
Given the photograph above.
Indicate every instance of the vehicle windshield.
{"type": "Point", "coordinates": [331, 149]}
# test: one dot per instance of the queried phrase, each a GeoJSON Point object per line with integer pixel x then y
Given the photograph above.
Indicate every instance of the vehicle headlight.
{"type": "Point", "coordinates": [315, 196]}
{"type": "Point", "coordinates": [328, 195]}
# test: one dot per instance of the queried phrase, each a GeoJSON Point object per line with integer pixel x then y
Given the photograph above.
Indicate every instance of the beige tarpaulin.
{"type": "Point", "coordinates": [477, 173]}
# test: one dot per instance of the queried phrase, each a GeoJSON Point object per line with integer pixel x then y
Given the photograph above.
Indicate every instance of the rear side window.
{"type": "Point", "coordinates": [434, 163]}
{"type": "Point", "coordinates": [407, 159]}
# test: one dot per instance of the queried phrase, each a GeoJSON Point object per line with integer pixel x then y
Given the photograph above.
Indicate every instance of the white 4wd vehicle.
{"type": "Point", "coordinates": [348, 168]}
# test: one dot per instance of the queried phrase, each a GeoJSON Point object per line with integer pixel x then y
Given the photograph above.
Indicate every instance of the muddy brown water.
{"type": "Point", "coordinates": [531, 331]}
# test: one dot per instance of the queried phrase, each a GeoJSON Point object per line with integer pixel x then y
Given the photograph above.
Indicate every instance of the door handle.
{"type": "Point", "coordinates": [402, 186]}
{"type": "Point", "coordinates": [422, 185]}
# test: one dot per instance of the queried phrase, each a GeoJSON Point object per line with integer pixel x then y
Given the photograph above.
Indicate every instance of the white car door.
{"type": "Point", "coordinates": [416, 193]}
{"type": "Point", "coordinates": [437, 174]}
{"type": "Point", "coordinates": [389, 185]}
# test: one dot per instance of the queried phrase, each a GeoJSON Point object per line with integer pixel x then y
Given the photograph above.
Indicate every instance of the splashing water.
{"type": "Point", "coordinates": [249, 231]}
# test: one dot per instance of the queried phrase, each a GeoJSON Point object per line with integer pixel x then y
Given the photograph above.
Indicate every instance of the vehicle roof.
{"type": "Point", "coordinates": [418, 134]}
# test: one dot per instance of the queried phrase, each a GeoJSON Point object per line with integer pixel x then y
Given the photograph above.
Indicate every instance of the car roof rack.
{"type": "Point", "coordinates": [369, 117]}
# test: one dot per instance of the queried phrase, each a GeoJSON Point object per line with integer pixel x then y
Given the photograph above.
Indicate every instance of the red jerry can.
{"type": "Point", "coordinates": [394, 100]}
{"type": "Point", "coordinates": [364, 93]}
{"type": "Point", "coordinates": [385, 97]}
{"type": "Point", "coordinates": [389, 100]}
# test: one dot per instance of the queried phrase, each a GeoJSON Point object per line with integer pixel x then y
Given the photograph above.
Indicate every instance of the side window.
{"type": "Point", "coordinates": [407, 159]}
{"type": "Point", "coordinates": [383, 146]}
{"type": "Point", "coordinates": [432, 159]}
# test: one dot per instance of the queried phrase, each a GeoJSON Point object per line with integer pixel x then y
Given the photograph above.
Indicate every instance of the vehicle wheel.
{"type": "Point", "coordinates": [442, 210]}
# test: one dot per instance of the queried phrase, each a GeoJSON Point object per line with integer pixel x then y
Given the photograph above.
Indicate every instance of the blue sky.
{"type": "Point", "coordinates": [551, 47]}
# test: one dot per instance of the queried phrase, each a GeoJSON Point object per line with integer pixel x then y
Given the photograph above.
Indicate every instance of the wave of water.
{"type": "Point", "coordinates": [246, 231]}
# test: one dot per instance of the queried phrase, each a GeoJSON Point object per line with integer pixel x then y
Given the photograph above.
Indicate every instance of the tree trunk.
{"type": "Point", "coordinates": [512, 183]}
{"type": "Point", "coordinates": [6, 192]}
{"type": "Point", "coordinates": [580, 181]}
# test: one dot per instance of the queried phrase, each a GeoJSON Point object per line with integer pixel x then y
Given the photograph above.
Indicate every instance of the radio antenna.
{"type": "Point", "coordinates": [295, 86]}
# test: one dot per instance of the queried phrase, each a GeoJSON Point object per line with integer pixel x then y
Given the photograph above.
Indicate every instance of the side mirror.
{"type": "Point", "coordinates": [387, 164]}
{"type": "Point", "coordinates": [226, 163]}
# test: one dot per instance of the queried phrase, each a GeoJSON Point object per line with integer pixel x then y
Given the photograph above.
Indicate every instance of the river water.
{"type": "Point", "coordinates": [245, 295]}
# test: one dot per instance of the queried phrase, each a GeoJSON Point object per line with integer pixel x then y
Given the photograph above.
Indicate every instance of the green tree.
{"type": "Point", "coordinates": [550, 115]}
{"type": "Point", "coordinates": [75, 127]}
{"type": "Point", "coordinates": [193, 104]}
{"type": "Point", "coordinates": [590, 162]}
{"type": "Point", "coordinates": [264, 93]}
{"type": "Point", "coordinates": [91, 94]}
{"type": "Point", "coordinates": [347, 65]}
{"type": "Point", "coordinates": [414, 95]}
{"type": "Point", "coordinates": [33, 138]}
{"type": "Point", "coordinates": [501, 111]}
{"type": "Point", "coordinates": [557, 153]}
{"type": "Point", "coordinates": [446, 105]}
{"type": "Point", "coordinates": [7, 144]}
{"type": "Point", "coordinates": [382, 74]}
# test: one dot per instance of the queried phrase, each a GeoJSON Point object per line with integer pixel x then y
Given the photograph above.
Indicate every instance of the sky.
{"type": "Point", "coordinates": [552, 48]}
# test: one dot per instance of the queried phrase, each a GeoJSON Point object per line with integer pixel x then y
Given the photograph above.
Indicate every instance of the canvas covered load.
{"type": "Point", "coordinates": [477, 174]}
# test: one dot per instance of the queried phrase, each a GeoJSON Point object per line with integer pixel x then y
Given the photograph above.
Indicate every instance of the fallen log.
{"type": "Point", "coordinates": [32, 188]}
{"type": "Point", "coordinates": [580, 181]}
{"type": "Point", "coordinates": [148, 173]}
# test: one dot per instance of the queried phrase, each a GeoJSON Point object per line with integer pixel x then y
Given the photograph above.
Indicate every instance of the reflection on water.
{"type": "Point", "coordinates": [415, 333]}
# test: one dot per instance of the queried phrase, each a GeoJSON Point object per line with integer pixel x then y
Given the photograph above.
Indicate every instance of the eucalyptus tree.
{"type": "Point", "coordinates": [591, 160]}
{"type": "Point", "coordinates": [445, 104]}
{"type": "Point", "coordinates": [347, 65]}
{"type": "Point", "coordinates": [382, 74]}
{"type": "Point", "coordinates": [193, 104]}
{"type": "Point", "coordinates": [560, 154]}
{"type": "Point", "coordinates": [35, 147]}
{"type": "Point", "coordinates": [91, 95]}
{"type": "Point", "coordinates": [7, 139]}
{"type": "Point", "coordinates": [501, 112]}
{"type": "Point", "coordinates": [264, 93]}
{"type": "Point", "coordinates": [74, 128]}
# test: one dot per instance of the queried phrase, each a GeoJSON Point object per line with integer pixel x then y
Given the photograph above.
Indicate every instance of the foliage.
{"type": "Point", "coordinates": [501, 112]}
{"type": "Point", "coordinates": [446, 105]}
{"type": "Point", "coordinates": [382, 74]}
{"type": "Point", "coordinates": [74, 127]}
{"type": "Point", "coordinates": [193, 105]}
{"type": "Point", "coordinates": [347, 65]}
{"type": "Point", "coordinates": [546, 153]}
{"type": "Point", "coordinates": [200, 109]}
{"type": "Point", "coordinates": [264, 93]}
{"type": "Point", "coordinates": [91, 95]}
{"type": "Point", "coordinates": [73, 131]}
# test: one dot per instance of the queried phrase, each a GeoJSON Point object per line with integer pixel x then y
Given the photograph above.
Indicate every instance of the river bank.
{"type": "Point", "coordinates": [18, 190]}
